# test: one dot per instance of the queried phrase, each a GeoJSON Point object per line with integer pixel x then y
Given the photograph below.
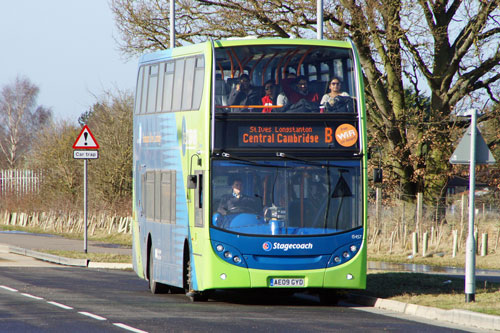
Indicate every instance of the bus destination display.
{"type": "Point", "coordinates": [342, 135]}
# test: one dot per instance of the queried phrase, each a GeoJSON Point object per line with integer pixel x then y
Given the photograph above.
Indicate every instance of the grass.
{"type": "Point", "coordinates": [433, 290]}
{"type": "Point", "coordinates": [92, 256]}
{"type": "Point", "coordinates": [491, 261]}
{"type": "Point", "coordinates": [104, 237]}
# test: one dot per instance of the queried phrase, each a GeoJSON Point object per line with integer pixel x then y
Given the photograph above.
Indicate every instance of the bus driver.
{"type": "Point", "coordinates": [237, 202]}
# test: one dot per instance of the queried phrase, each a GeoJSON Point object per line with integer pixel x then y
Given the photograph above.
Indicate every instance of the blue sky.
{"type": "Point", "coordinates": [67, 48]}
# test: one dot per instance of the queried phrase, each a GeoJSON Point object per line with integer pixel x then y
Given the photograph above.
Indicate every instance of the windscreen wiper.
{"type": "Point", "coordinates": [294, 158]}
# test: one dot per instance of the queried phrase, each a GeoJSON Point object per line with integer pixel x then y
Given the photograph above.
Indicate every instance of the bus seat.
{"type": "Point", "coordinates": [319, 87]}
{"type": "Point", "coordinates": [221, 92]}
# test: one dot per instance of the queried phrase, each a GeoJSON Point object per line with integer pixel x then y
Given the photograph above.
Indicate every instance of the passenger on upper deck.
{"type": "Point", "coordinates": [336, 100]}
{"type": "Point", "coordinates": [243, 94]}
{"type": "Point", "coordinates": [301, 90]}
{"type": "Point", "coordinates": [270, 96]}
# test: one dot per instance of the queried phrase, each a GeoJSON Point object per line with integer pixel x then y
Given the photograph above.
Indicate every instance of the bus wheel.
{"type": "Point", "coordinates": [329, 297]}
{"type": "Point", "coordinates": [194, 296]}
{"type": "Point", "coordinates": [155, 287]}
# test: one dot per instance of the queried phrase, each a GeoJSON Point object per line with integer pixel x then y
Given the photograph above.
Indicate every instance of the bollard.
{"type": "Point", "coordinates": [425, 243]}
{"type": "Point", "coordinates": [455, 243]}
{"type": "Point", "coordinates": [484, 245]}
{"type": "Point", "coordinates": [415, 244]}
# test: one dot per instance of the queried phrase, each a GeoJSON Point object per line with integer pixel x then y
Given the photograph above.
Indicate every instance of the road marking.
{"type": "Point", "coordinates": [62, 306]}
{"type": "Point", "coordinates": [32, 296]}
{"type": "Point", "coordinates": [88, 314]}
{"type": "Point", "coordinates": [9, 289]}
{"type": "Point", "coordinates": [91, 315]}
{"type": "Point", "coordinates": [129, 328]}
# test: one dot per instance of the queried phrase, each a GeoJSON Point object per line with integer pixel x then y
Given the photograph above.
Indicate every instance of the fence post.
{"type": "Point", "coordinates": [455, 243]}
{"type": "Point", "coordinates": [415, 244]}
{"type": "Point", "coordinates": [476, 240]}
{"type": "Point", "coordinates": [484, 245]}
{"type": "Point", "coordinates": [378, 196]}
{"type": "Point", "coordinates": [419, 211]}
{"type": "Point", "coordinates": [425, 243]}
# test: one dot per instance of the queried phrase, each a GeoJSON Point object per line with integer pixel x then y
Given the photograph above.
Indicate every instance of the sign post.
{"type": "Point", "coordinates": [85, 140]}
{"type": "Point", "coordinates": [471, 150]}
{"type": "Point", "coordinates": [470, 247]}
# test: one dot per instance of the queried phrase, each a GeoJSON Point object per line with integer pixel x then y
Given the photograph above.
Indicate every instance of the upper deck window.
{"type": "Point", "coordinates": [173, 85]}
{"type": "Point", "coordinates": [265, 79]}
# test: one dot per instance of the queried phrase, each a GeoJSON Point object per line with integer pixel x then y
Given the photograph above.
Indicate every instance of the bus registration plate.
{"type": "Point", "coordinates": [287, 282]}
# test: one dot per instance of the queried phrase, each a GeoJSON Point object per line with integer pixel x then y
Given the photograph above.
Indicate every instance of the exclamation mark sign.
{"type": "Point", "coordinates": [85, 135]}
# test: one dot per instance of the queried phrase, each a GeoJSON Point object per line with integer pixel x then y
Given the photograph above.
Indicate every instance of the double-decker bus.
{"type": "Point", "coordinates": [234, 194]}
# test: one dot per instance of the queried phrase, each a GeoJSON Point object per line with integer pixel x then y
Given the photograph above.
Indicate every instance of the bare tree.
{"type": "Point", "coordinates": [52, 152]}
{"type": "Point", "coordinates": [448, 50]}
{"type": "Point", "coordinates": [20, 117]}
{"type": "Point", "coordinates": [111, 122]}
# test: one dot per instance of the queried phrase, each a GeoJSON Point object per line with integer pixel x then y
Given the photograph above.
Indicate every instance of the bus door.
{"type": "Point", "coordinates": [198, 199]}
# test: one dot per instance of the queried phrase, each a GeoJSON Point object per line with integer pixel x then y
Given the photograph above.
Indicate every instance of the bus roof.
{"type": "Point", "coordinates": [232, 42]}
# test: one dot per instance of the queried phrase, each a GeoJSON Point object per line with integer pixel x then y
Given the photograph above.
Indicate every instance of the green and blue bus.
{"type": "Point", "coordinates": [302, 168]}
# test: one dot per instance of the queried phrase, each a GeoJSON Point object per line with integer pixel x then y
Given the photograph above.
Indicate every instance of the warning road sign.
{"type": "Point", "coordinates": [86, 140]}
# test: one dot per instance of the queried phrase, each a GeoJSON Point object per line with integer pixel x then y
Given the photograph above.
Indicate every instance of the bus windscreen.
{"type": "Point", "coordinates": [291, 198]}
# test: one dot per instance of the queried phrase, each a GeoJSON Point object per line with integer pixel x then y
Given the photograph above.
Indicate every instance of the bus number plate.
{"type": "Point", "coordinates": [287, 282]}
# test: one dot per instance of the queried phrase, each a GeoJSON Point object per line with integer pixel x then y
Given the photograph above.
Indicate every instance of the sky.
{"type": "Point", "coordinates": [67, 48]}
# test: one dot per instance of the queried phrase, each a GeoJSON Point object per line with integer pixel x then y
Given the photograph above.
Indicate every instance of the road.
{"type": "Point", "coordinates": [51, 298]}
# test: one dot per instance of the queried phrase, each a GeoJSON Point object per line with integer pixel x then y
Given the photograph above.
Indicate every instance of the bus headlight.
{"type": "Point", "coordinates": [353, 248]}
{"type": "Point", "coordinates": [228, 253]}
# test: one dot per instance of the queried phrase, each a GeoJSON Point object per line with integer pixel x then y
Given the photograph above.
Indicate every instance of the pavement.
{"type": "Point", "coordinates": [18, 243]}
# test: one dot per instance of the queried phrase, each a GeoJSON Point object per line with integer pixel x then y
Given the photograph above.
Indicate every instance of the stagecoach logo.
{"type": "Point", "coordinates": [268, 246]}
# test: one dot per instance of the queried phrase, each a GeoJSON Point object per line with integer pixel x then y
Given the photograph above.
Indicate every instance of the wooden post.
{"type": "Point", "coordinates": [498, 236]}
{"type": "Point", "coordinates": [419, 211]}
{"type": "Point", "coordinates": [378, 199]}
{"type": "Point", "coordinates": [455, 243]}
{"type": "Point", "coordinates": [425, 244]}
{"type": "Point", "coordinates": [476, 240]}
{"type": "Point", "coordinates": [415, 244]}
{"type": "Point", "coordinates": [484, 245]}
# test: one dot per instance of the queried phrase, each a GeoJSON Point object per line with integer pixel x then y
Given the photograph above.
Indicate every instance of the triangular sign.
{"type": "Point", "coordinates": [461, 155]}
{"type": "Point", "coordinates": [86, 140]}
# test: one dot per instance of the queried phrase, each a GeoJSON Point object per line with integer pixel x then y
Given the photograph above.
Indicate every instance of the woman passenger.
{"type": "Point", "coordinates": [269, 97]}
{"type": "Point", "coordinates": [334, 91]}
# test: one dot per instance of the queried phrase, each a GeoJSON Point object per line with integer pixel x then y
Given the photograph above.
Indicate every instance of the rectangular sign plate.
{"type": "Point", "coordinates": [85, 154]}
{"type": "Point", "coordinates": [287, 282]}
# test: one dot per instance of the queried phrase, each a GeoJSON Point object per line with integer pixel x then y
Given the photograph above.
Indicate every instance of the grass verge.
{"type": "Point", "coordinates": [121, 239]}
{"type": "Point", "coordinates": [491, 261]}
{"type": "Point", "coordinates": [95, 257]}
{"type": "Point", "coordinates": [438, 291]}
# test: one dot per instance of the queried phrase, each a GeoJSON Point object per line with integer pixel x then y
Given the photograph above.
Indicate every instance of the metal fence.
{"type": "Point", "coordinates": [20, 181]}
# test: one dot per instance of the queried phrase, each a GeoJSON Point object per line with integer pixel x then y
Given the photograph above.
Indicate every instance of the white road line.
{"type": "Point", "coordinates": [32, 296]}
{"type": "Point", "coordinates": [129, 328]}
{"type": "Point", "coordinates": [91, 315]}
{"type": "Point", "coordinates": [8, 288]}
{"type": "Point", "coordinates": [88, 314]}
{"type": "Point", "coordinates": [61, 305]}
